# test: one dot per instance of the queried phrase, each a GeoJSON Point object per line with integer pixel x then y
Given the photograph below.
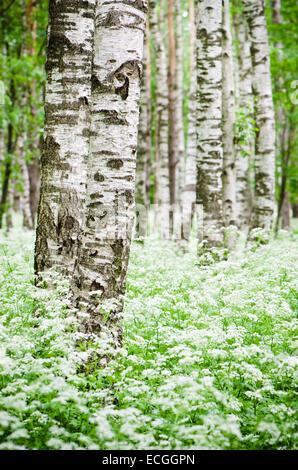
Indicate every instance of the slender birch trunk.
{"type": "Point", "coordinates": [7, 173]}
{"type": "Point", "coordinates": [25, 195]}
{"type": "Point", "coordinates": [228, 122]}
{"type": "Point", "coordinates": [209, 114]}
{"type": "Point", "coordinates": [189, 188]}
{"type": "Point", "coordinates": [103, 259]}
{"type": "Point", "coordinates": [149, 111]}
{"type": "Point", "coordinates": [245, 153]}
{"type": "Point", "coordinates": [142, 153]}
{"type": "Point", "coordinates": [66, 135]}
{"type": "Point", "coordinates": [265, 138]}
{"type": "Point", "coordinates": [173, 159]}
{"type": "Point", "coordinates": [33, 165]}
{"type": "Point", "coordinates": [282, 138]}
{"type": "Point", "coordinates": [179, 128]}
{"type": "Point", "coordinates": [162, 189]}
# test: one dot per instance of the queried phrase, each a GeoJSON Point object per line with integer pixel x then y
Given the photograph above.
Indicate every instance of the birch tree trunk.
{"type": "Point", "coordinates": [162, 198]}
{"type": "Point", "coordinates": [228, 122]}
{"type": "Point", "coordinates": [25, 196]}
{"type": "Point", "coordinates": [265, 138]}
{"type": "Point", "coordinates": [189, 188]}
{"type": "Point", "coordinates": [142, 153]}
{"type": "Point", "coordinates": [245, 104]}
{"type": "Point", "coordinates": [173, 158]}
{"type": "Point", "coordinates": [179, 128]}
{"type": "Point", "coordinates": [209, 114]}
{"type": "Point", "coordinates": [66, 135]}
{"type": "Point", "coordinates": [282, 138]}
{"type": "Point", "coordinates": [33, 165]}
{"type": "Point", "coordinates": [103, 259]}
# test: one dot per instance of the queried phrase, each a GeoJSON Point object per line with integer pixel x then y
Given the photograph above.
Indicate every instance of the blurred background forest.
{"type": "Point", "coordinates": [169, 53]}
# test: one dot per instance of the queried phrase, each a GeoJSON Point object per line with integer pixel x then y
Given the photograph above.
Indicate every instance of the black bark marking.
{"type": "Point", "coordinates": [115, 163]}
{"type": "Point", "coordinates": [98, 177]}
{"type": "Point", "coordinates": [124, 89]}
{"type": "Point", "coordinates": [113, 117]}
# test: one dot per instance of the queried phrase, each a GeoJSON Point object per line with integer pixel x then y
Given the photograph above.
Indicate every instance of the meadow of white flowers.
{"type": "Point", "coordinates": [208, 358]}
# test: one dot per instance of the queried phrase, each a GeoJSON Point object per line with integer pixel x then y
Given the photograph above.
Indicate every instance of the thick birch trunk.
{"type": "Point", "coordinates": [245, 104]}
{"type": "Point", "coordinates": [189, 188]}
{"type": "Point", "coordinates": [103, 259]}
{"type": "Point", "coordinates": [265, 138]}
{"type": "Point", "coordinates": [209, 114]}
{"type": "Point", "coordinates": [228, 122]}
{"type": "Point", "coordinates": [162, 189]}
{"type": "Point", "coordinates": [66, 136]}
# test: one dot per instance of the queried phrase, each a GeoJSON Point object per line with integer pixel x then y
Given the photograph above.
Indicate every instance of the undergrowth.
{"type": "Point", "coordinates": [208, 359]}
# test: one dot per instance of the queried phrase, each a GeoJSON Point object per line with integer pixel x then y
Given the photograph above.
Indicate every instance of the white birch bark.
{"type": "Point", "coordinates": [66, 135]}
{"type": "Point", "coordinates": [245, 104]}
{"type": "Point", "coordinates": [25, 195]}
{"type": "Point", "coordinates": [189, 187]}
{"type": "Point", "coordinates": [162, 121]}
{"type": "Point", "coordinates": [265, 138]}
{"type": "Point", "coordinates": [142, 153]}
{"type": "Point", "coordinates": [179, 129]}
{"type": "Point", "coordinates": [103, 259]}
{"type": "Point", "coordinates": [209, 115]}
{"type": "Point", "coordinates": [228, 122]}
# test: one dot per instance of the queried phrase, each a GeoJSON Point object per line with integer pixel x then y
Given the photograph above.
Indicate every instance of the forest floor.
{"type": "Point", "coordinates": [208, 358]}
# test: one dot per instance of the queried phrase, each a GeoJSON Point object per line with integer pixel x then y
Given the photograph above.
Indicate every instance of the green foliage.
{"type": "Point", "coordinates": [284, 65]}
{"type": "Point", "coordinates": [244, 129]}
{"type": "Point", "coordinates": [208, 359]}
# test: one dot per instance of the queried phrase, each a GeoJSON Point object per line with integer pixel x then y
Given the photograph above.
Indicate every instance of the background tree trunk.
{"type": "Point", "coordinates": [189, 188]}
{"type": "Point", "coordinates": [33, 131]}
{"type": "Point", "coordinates": [179, 128]}
{"type": "Point", "coordinates": [228, 123]}
{"type": "Point", "coordinates": [162, 184]}
{"type": "Point", "coordinates": [245, 152]}
{"type": "Point", "coordinates": [264, 114]}
{"type": "Point", "coordinates": [142, 201]}
{"type": "Point", "coordinates": [173, 157]}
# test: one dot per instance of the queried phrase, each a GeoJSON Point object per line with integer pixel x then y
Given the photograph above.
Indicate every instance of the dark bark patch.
{"type": "Point", "coordinates": [98, 86]}
{"type": "Point", "coordinates": [50, 150]}
{"type": "Point", "coordinates": [96, 286]}
{"type": "Point", "coordinates": [98, 177]}
{"type": "Point", "coordinates": [115, 163]}
{"type": "Point", "coordinates": [129, 196]}
{"type": "Point", "coordinates": [124, 89]}
{"type": "Point", "coordinates": [96, 195]}
{"type": "Point", "coordinates": [113, 117]}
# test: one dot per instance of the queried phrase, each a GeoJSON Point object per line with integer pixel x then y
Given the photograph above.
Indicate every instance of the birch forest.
{"type": "Point", "coordinates": [148, 225]}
